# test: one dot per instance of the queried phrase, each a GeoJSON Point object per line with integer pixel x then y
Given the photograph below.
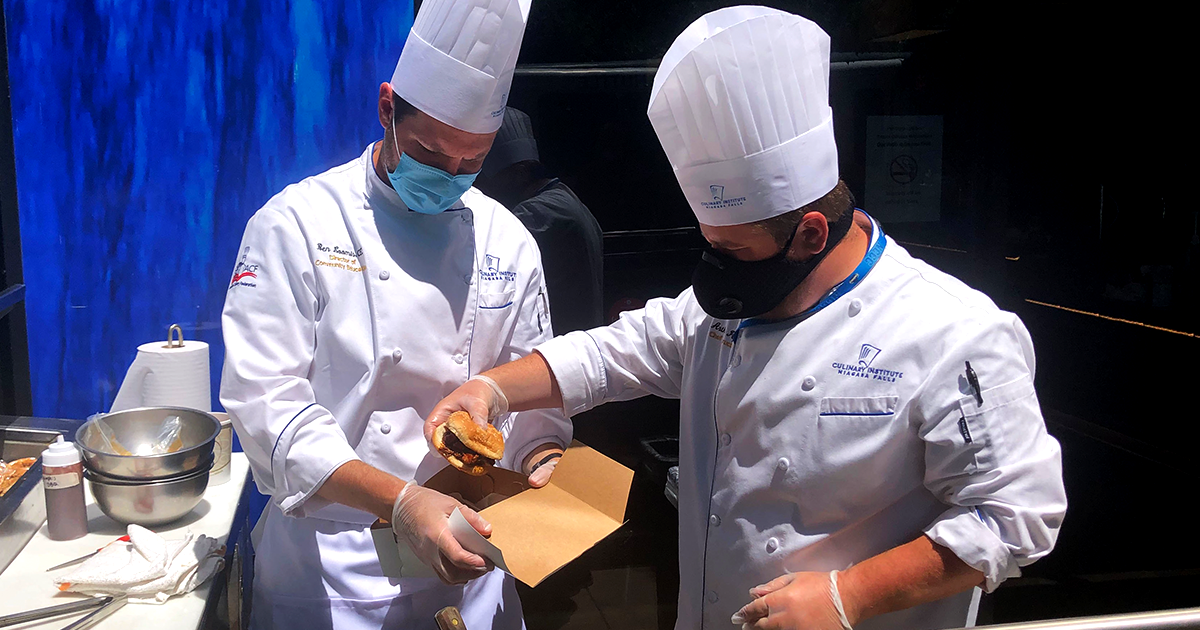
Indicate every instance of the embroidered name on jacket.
{"type": "Point", "coordinates": [720, 332]}
{"type": "Point", "coordinates": [340, 258]}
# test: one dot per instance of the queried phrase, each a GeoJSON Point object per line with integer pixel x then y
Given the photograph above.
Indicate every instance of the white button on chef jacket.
{"type": "Point", "coordinates": [304, 377]}
{"type": "Point", "coordinates": [879, 448]}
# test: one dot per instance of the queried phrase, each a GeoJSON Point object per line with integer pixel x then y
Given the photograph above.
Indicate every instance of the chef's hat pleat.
{"type": "Point", "coordinates": [458, 63]}
{"type": "Point", "coordinates": [741, 107]}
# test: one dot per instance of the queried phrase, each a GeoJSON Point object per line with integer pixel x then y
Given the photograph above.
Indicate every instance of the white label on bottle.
{"type": "Point", "coordinates": [64, 480]}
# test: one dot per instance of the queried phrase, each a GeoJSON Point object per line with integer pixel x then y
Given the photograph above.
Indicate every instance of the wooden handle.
{"type": "Point", "coordinates": [449, 619]}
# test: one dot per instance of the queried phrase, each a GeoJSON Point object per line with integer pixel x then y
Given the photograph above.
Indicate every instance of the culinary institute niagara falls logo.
{"type": "Point", "coordinates": [719, 200]}
{"type": "Point", "coordinates": [864, 369]}
{"type": "Point", "coordinates": [244, 274]}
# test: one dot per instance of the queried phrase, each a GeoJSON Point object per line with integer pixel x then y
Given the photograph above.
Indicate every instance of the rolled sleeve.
{"type": "Point", "coordinates": [310, 448]}
{"type": "Point", "coordinates": [962, 531]}
{"type": "Point", "coordinates": [994, 464]}
{"type": "Point", "coordinates": [578, 368]}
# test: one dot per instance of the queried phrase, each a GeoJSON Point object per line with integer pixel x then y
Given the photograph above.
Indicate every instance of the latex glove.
{"type": "Point", "coordinates": [796, 601]}
{"type": "Point", "coordinates": [422, 517]}
{"type": "Point", "coordinates": [539, 475]}
{"type": "Point", "coordinates": [479, 396]}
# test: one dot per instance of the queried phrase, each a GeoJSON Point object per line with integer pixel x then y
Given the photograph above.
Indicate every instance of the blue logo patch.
{"type": "Point", "coordinates": [867, 354]}
{"type": "Point", "coordinates": [491, 270]}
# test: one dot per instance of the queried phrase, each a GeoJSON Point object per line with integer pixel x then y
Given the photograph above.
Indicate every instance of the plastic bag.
{"type": "Point", "coordinates": [107, 438]}
{"type": "Point", "coordinates": [168, 440]}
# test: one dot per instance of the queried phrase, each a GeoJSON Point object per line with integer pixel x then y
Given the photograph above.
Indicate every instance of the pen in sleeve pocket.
{"type": "Point", "coordinates": [974, 381]}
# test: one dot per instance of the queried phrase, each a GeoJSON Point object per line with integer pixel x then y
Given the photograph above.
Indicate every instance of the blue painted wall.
{"type": "Point", "coordinates": [146, 135]}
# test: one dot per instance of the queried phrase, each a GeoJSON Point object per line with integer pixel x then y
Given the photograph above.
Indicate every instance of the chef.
{"type": "Point", "coordinates": [860, 440]}
{"type": "Point", "coordinates": [361, 297]}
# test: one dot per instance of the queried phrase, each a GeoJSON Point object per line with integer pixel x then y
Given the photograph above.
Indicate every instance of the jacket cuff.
{"type": "Point", "coordinates": [961, 530]}
{"type": "Point", "coordinates": [578, 368]}
{"type": "Point", "coordinates": [307, 452]}
{"type": "Point", "coordinates": [518, 461]}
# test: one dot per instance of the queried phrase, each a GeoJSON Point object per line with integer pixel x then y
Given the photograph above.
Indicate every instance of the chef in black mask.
{"type": "Point", "coordinates": [755, 270]}
{"type": "Point", "coordinates": [861, 445]}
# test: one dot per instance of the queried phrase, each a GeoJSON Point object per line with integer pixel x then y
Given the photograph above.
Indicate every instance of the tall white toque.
{"type": "Point", "coordinates": [741, 107]}
{"type": "Point", "coordinates": [457, 65]}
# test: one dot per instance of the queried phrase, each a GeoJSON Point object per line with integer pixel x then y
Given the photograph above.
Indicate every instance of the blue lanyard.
{"type": "Point", "coordinates": [874, 253]}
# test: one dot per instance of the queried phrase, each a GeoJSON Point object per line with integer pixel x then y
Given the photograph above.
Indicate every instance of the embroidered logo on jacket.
{"type": "Point", "coordinates": [244, 274]}
{"type": "Point", "coordinates": [491, 270]}
{"type": "Point", "coordinates": [863, 367]}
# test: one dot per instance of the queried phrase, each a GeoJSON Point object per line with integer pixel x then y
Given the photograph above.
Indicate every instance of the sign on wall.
{"type": "Point", "coordinates": [904, 168]}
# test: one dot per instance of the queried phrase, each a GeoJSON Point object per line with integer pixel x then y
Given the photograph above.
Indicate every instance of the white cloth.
{"type": "Point", "coordinates": [457, 65]}
{"type": "Point", "coordinates": [360, 316]}
{"type": "Point", "coordinates": [148, 568]}
{"type": "Point", "coordinates": [810, 445]}
{"type": "Point", "coordinates": [740, 104]}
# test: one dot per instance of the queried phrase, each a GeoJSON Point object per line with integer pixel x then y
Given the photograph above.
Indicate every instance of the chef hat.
{"type": "Point", "coordinates": [741, 107]}
{"type": "Point", "coordinates": [514, 143]}
{"type": "Point", "coordinates": [458, 62]}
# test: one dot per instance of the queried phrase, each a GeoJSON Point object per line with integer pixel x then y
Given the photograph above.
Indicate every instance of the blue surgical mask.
{"type": "Point", "coordinates": [427, 189]}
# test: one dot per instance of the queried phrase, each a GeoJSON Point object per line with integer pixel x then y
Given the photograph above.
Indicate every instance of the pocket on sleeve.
{"type": "Point", "coordinates": [983, 429]}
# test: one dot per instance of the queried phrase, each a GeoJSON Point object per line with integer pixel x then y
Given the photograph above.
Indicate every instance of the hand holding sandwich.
{"type": "Point", "coordinates": [459, 429]}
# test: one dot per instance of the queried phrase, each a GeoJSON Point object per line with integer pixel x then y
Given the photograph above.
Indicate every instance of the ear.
{"type": "Point", "coordinates": [386, 105]}
{"type": "Point", "coordinates": [811, 236]}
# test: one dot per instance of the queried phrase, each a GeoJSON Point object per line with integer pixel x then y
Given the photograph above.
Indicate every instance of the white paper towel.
{"type": "Point", "coordinates": [167, 377]}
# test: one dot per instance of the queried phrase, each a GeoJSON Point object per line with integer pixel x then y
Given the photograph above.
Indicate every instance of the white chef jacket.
{"type": "Point", "coordinates": [348, 318]}
{"type": "Point", "coordinates": [816, 442]}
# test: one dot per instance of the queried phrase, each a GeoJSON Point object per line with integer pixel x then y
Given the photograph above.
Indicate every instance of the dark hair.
{"type": "Point", "coordinates": [401, 108]}
{"type": "Point", "coordinates": [832, 206]}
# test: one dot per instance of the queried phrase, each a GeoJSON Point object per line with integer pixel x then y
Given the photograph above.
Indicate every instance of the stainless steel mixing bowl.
{"type": "Point", "coordinates": [149, 503]}
{"type": "Point", "coordinates": [135, 428]}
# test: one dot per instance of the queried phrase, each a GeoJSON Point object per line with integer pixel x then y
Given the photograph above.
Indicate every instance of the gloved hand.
{"type": "Point", "coordinates": [422, 517]}
{"type": "Point", "coordinates": [796, 601]}
{"type": "Point", "coordinates": [540, 464]}
{"type": "Point", "coordinates": [480, 396]}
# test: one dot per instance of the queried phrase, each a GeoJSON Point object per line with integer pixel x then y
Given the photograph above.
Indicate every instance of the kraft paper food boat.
{"type": "Point", "coordinates": [535, 532]}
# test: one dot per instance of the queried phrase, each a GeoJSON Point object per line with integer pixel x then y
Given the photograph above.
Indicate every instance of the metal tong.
{"type": "Point", "coordinates": [101, 607]}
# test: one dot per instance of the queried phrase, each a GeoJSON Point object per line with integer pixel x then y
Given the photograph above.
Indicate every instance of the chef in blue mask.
{"type": "Point", "coordinates": [861, 444]}
{"type": "Point", "coordinates": [360, 298]}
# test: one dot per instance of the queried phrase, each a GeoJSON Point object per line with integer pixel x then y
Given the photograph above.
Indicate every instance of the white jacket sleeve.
{"type": "Point", "coordinates": [993, 463]}
{"type": "Point", "coordinates": [641, 353]}
{"type": "Point", "coordinates": [526, 430]}
{"type": "Point", "coordinates": [269, 321]}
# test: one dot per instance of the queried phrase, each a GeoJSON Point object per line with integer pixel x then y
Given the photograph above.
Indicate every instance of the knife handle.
{"type": "Point", "coordinates": [448, 618]}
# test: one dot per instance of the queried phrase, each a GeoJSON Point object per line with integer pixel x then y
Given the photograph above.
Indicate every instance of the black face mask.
{"type": "Point", "coordinates": [727, 288]}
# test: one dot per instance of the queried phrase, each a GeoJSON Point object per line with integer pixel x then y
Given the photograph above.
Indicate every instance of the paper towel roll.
{"type": "Point", "coordinates": [163, 376]}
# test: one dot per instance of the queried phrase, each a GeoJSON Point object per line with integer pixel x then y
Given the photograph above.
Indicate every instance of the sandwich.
{"type": "Point", "coordinates": [468, 446]}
